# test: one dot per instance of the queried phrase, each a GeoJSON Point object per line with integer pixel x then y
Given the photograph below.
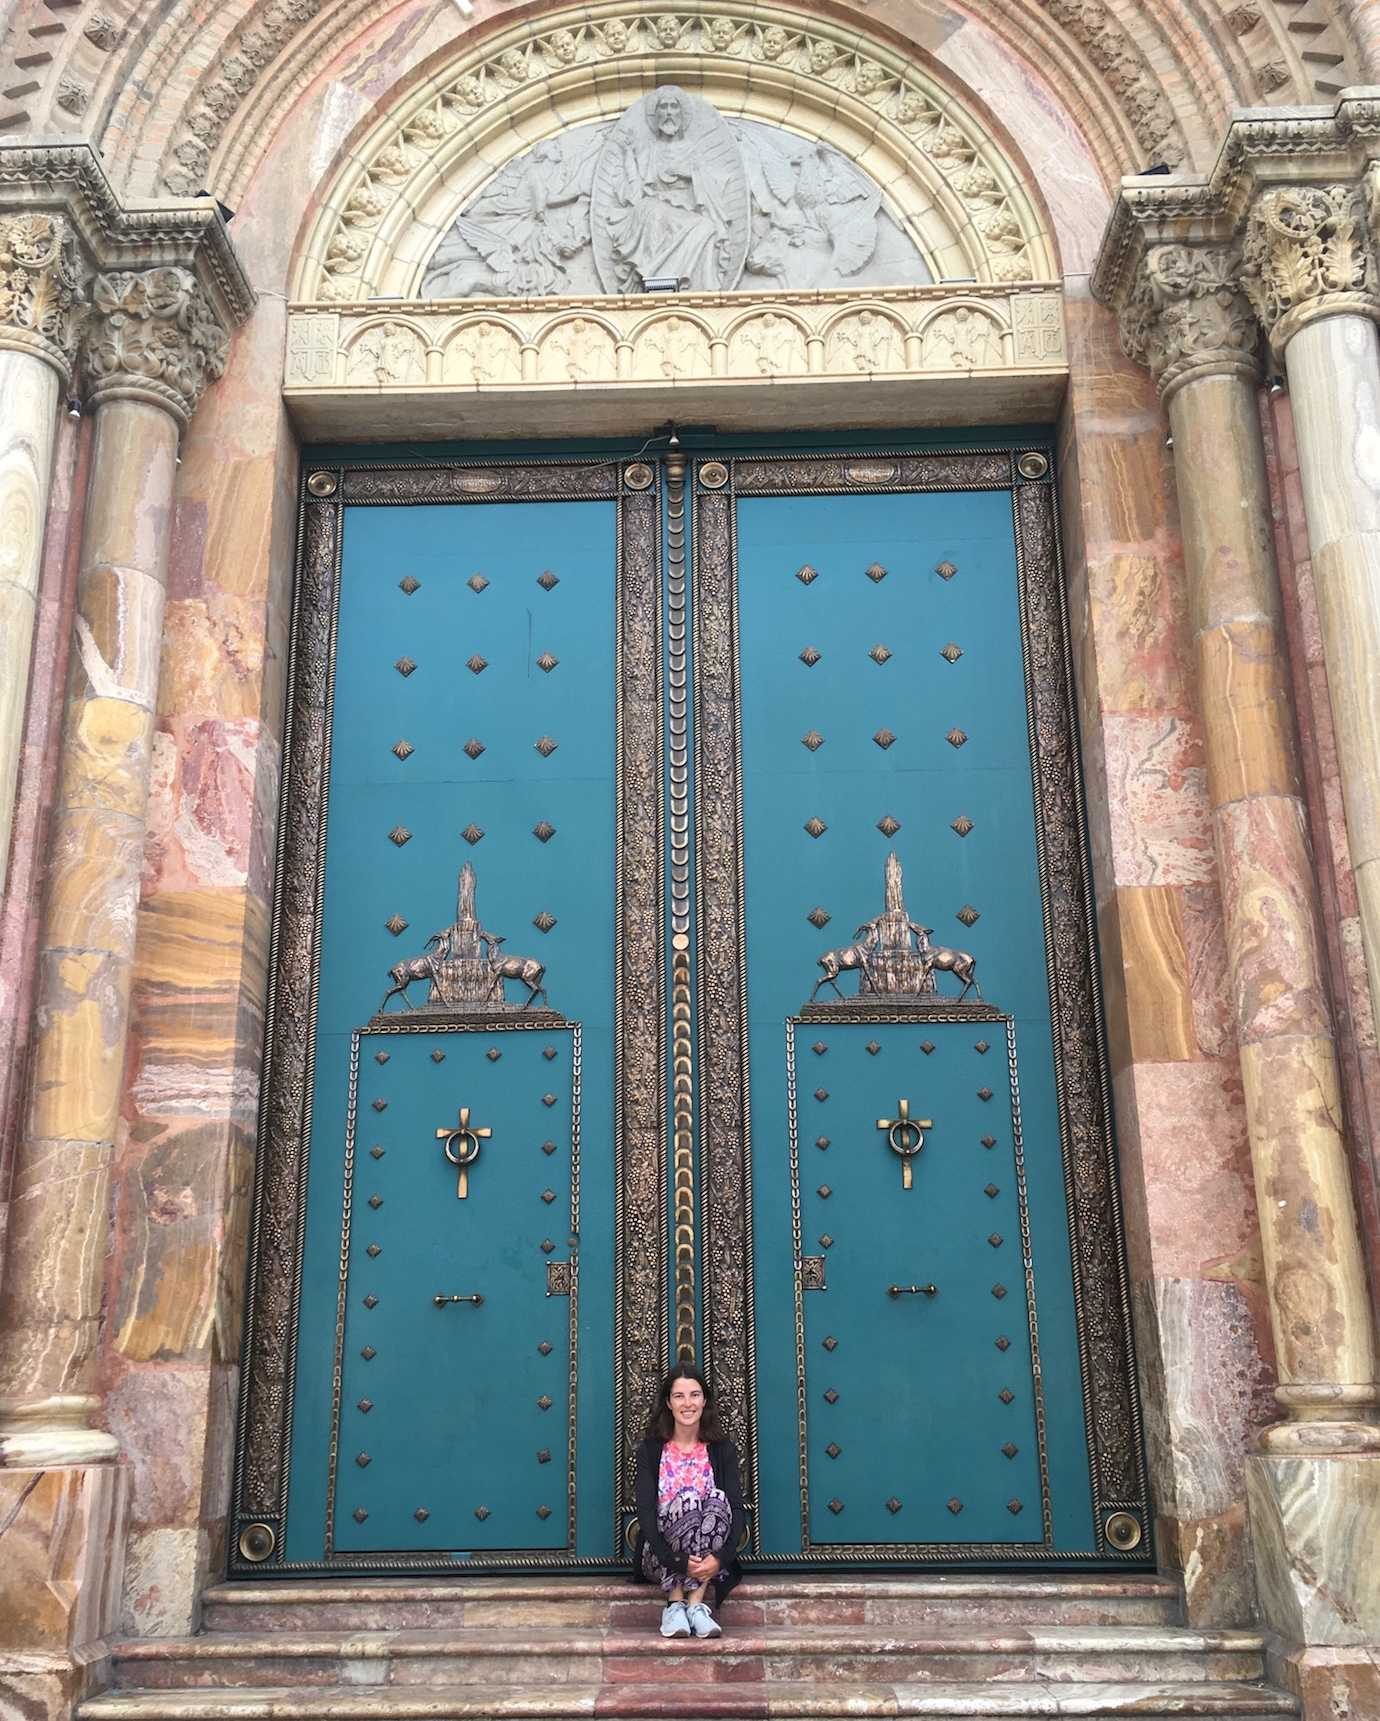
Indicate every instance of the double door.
{"type": "Point", "coordinates": [682, 948]}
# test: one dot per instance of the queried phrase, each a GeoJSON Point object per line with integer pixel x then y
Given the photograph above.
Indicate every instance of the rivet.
{"type": "Point", "coordinates": [836, 1506]}
{"type": "Point", "coordinates": [833, 1449]}
{"type": "Point", "coordinates": [476, 582]}
{"type": "Point", "coordinates": [376, 1201]}
{"type": "Point", "coordinates": [1010, 1450]}
{"type": "Point", "coordinates": [821, 1094]}
{"type": "Point", "coordinates": [989, 1141]}
{"type": "Point", "coordinates": [981, 1046]}
{"type": "Point", "coordinates": [395, 924]}
{"type": "Point", "coordinates": [995, 1240]}
{"type": "Point", "coordinates": [830, 1342]}
{"type": "Point", "coordinates": [476, 664]}
{"type": "Point", "coordinates": [951, 652]}
{"type": "Point", "coordinates": [888, 826]}
{"type": "Point", "coordinates": [363, 1460]}
{"type": "Point", "coordinates": [547, 580]}
{"type": "Point", "coordinates": [984, 1094]}
{"type": "Point", "coordinates": [400, 835]}
{"type": "Point", "coordinates": [402, 750]}
{"type": "Point", "coordinates": [824, 1192]}
{"type": "Point", "coordinates": [359, 1514]}
{"type": "Point", "coordinates": [819, 917]}
{"type": "Point", "coordinates": [884, 739]}
{"type": "Point", "coordinates": [955, 1505]}
{"type": "Point", "coordinates": [879, 654]}
{"type": "Point", "coordinates": [543, 831]}
{"type": "Point", "coordinates": [548, 1147]}
{"type": "Point", "coordinates": [368, 1353]}
{"type": "Point", "coordinates": [946, 570]}
{"type": "Point", "coordinates": [962, 824]}
{"type": "Point", "coordinates": [481, 1512]}
{"type": "Point", "coordinates": [544, 1455]}
{"type": "Point", "coordinates": [438, 1057]}
{"type": "Point", "coordinates": [872, 1048]}
{"type": "Point", "coordinates": [543, 1403]}
{"type": "Point", "coordinates": [876, 573]}
{"type": "Point", "coordinates": [968, 915]}
{"type": "Point", "coordinates": [379, 1104]}
{"type": "Point", "coordinates": [826, 1241]}
{"type": "Point", "coordinates": [421, 1514]}
{"type": "Point", "coordinates": [810, 657]}
{"type": "Point", "coordinates": [381, 1057]}
{"type": "Point", "coordinates": [955, 737]}
{"type": "Point", "coordinates": [474, 747]}
{"type": "Point", "coordinates": [830, 1396]}
{"type": "Point", "coordinates": [371, 1301]}
{"type": "Point", "coordinates": [816, 827]}
{"type": "Point", "coordinates": [543, 921]}
{"type": "Point", "coordinates": [374, 1251]}
{"type": "Point", "coordinates": [376, 1152]}
{"type": "Point", "coordinates": [493, 1054]}
{"type": "Point", "coordinates": [545, 746]}
{"type": "Point", "coordinates": [893, 1505]}
{"type": "Point", "coordinates": [1006, 1395]}
{"type": "Point", "coordinates": [822, 1142]}
{"type": "Point", "coordinates": [544, 1348]}
{"type": "Point", "coordinates": [819, 1048]}
{"type": "Point", "coordinates": [927, 1046]}
{"type": "Point", "coordinates": [473, 834]}
{"type": "Point", "coordinates": [1003, 1343]}
{"type": "Point", "coordinates": [547, 662]}
{"type": "Point", "coordinates": [1013, 1506]}
{"type": "Point", "coordinates": [543, 1511]}
{"type": "Point", "coordinates": [807, 575]}
{"type": "Point", "coordinates": [812, 739]}
{"type": "Point", "coordinates": [407, 585]}
{"type": "Point", "coordinates": [548, 1099]}
{"type": "Point", "coordinates": [999, 1291]}
{"type": "Point", "coordinates": [405, 666]}
{"type": "Point", "coordinates": [548, 1196]}
{"type": "Point", "coordinates": [365, 1405]}
{"type": "Point", "coordinates": [548, 1052]}
{"type": "Point", "coordinates": [991, 1191]}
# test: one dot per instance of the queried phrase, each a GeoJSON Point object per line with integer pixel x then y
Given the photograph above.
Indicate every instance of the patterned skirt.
{"type": "Point", "coordinates": [694, 1525]}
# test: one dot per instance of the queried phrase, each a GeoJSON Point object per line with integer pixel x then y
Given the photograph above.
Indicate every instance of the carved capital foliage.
{"type": "Point", "coordinates": [1307, 252]}
{"type": "Point", "coordinates": [154, 335]}
{"type": "Point", "coordinates": [40, 286]}
{"type": "Point", "coordinates": [1187, 315]}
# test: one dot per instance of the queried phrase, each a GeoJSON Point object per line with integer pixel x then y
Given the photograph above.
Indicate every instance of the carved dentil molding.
{"type": "Point", "coordinates": [1187, 315]}
{"type": "Point", "coordinates": [40, 287]}
{"type": "Point", "coordinates": [154, 336]}
{"type": "Point", "coordinates": [1308, 253]}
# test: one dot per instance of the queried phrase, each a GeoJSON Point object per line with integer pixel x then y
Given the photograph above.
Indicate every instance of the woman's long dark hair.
{"type": "Point", "coordinates": [661, 1425]}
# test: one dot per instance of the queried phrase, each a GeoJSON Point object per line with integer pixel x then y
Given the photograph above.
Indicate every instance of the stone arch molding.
{"type": "Point", "coordinates": [945, 176]}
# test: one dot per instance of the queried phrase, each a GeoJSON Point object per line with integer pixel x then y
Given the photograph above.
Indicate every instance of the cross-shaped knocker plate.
{"type": "Point", "coordinates": [905, 1135]}
{"type": "Point", "coordinates": [462, 1149]}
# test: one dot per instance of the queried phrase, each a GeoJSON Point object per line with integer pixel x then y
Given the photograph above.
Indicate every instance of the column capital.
{"type": "Point", "coordinates": [1183, 314]}
{"type": "Point", "coordinates": [1308, 253]}
{"type": "Point", "coordinates": [40, 287]}
{"type": "Point", "coordinates": [152, 335]}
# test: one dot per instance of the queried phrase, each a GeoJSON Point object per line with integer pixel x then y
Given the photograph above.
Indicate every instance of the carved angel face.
{"type": "Point", "coordinates": [668, 31]}
{"type": "Point", "coordinates": [774, 42]}
{"type": "Point", "coordinates": [822, 56]}
{"type": "Point", "coordinates": [721, 34]}
{"type": "Point", "coordinates": [563, 46]}
{"type": "Point", "coordinates": [616, 35]}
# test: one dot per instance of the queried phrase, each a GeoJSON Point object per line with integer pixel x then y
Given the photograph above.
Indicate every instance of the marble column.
{"type": "Point", "coordinates": [38, 323]}
{"type": "Point", "coordinates": [152, 345]}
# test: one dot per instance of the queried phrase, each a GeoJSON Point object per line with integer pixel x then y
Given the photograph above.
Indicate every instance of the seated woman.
{"type": "Point", "coordinates": [689, 1505]}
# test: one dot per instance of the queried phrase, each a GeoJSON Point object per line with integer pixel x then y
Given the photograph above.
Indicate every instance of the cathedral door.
{"type": "Point", "coordinates": [682, 948]}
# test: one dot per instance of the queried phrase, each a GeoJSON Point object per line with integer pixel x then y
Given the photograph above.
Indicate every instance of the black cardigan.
{"type": "Point", "coordinates": [723, 1459]}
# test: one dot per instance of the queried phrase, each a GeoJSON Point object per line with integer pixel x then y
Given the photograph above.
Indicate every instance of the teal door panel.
{"type": "Point", "coordinates": [473, 721]}
{"type": "Point", "coordinates": [884, 710]}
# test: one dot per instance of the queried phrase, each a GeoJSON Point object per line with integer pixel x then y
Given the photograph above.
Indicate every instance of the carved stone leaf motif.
{"type": "Point", "coordinates": [155, 328]}
{"type": "Point", "coordinates": [1186, 310]}
{"type": "Point", "coordinates": [1303, 243]}
{"type": "Point", "coordinates": [39, 279]}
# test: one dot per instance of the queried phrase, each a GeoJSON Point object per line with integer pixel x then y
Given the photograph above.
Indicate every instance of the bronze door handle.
{"type": "Point", "coordinates": [440, 1299]}
{"type": "Point", "coordinates": [912, 1290]}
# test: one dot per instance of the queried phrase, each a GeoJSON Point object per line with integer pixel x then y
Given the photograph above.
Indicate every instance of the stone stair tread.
{"type": "Point", "coordinates": [746, 1640]}
{"type": "Point", "coordinates": [937, 1701]}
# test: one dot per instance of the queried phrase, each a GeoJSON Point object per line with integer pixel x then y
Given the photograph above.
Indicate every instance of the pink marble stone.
{"type": "Point", "coordinates": [1161, 829]}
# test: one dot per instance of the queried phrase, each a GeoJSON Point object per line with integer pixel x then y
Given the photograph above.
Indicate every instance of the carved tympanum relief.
{"type": "Point", "coordinates": [673, 190]}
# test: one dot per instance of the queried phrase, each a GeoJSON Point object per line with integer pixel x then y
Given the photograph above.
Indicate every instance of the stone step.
{"type": "Point", "coordinates": [402, 1604]}
{"type": "Point", "coordinates": [938, 1701]}
{"type": "Point", "coordinates": [758, 1654]}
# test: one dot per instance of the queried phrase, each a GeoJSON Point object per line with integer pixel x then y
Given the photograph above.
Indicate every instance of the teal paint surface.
{"type": "Point", "coordinates": [457, 1421]}
{"type": "Point", "coordinates": [937, 1360]}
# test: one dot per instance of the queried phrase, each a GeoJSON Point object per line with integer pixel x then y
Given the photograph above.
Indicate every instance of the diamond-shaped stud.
{"type": "Point", "coordinates": [1010, 1449]}
{"type": "Point", "coordinates": [368, 1353]}
{"type": "Point", "coordinates": [400, 835]}
{"type": "Point", "coordinates": [395, 924]}
{"type": "Point", "coordinates": [421, 1514]}
{"type": "Point", "coordinates": [1013, 1506]}
{"type": "Point", "coordinates": [544, 1348]}
{"type": "Point", "coordinates": [547, 662]}
{"type": "Point", "coordinates": [548, 1148]}
{"type": "Point", "coordinates": [984, 1094]}
{"type": "Point", "coordinates": [888, 826]}
{"type": "Point", "coordinates": [816, 827]}
{"type": "Point", "coordinates": [438, 1057]}
{"type": "Point", "coordinates": [872, 1048]}
{"type": "Point", "coordinates": [824, 1192]}
{"type": "Point", "coordinates": [810, 657]}
{"type": "Point", "coordinates": [544, 1456]}
{"type": "Point", "coordinates": [982, 1047]}
{"type": "Point", "coordinates": [830, 1342]}
{"type": "Point", "coordinates": [474, 747]}
{"type": "Point", "coordinates": [819, 917]}
{"type": "Point", "coordinates": [543, 921]}
{"type": "Point", "coordinates": [476, 582]}
{"type": "Point", "coordinates": [381, 1057]}
{"type": "Point", "coordinates": [546, 746]}
{"type": "Point", "coordinates": [812, 739]}
{"type": "Point", "coordinates": [405, 666]}
{"type": "Point", "coordinates": [547, 580]}
{"type": "Point", "coordinates": [822, 1143]}
{"type": "Point", "coordinates": [807, 575]}
{"type": "Point", "coordinates": [876, 573]}
{"type": "Point", "coordinates": [376, 1201]}
{"type": "Point", "coordinates": [543, 1512]}
{"type": "Point", "coordinates": [548, 1099]}
{"type": "Point", "coordinates": [371, 1301]}
{"type": "Point", "coordinates": [999, 1291]}
{"type": "Point", "coordinates": [548, 1196]}
{"type": "Point", "coordinates": [833, 1449]}
{"type": "Point", "coordinates": [836, 1505]}
{"type": "Point", "coordinates": [359, 1514]}
{"type": "Point", "coordinates": [376, 1152]}
{"type": "Point", "coordinates": [879, 654]}
{"type": "Point", "coordinates": [407, 585]}
{"type": "Point", "coordinates": [374, 1251]}
{"type": "Point", "coordinates": [543, 1403]}
{"type": "Point", "coordinates": [546, 1246]}
{"type": "Point", "coordinates": [893, 1505]}
{"type": "Point", "coordinates": [379, 1105]}
{"type": "Point", "coordinates": [476, 664]}
{"type": "Point", "coordinates": [819, 1048]}
{"type": "Point", "coordinates": [821, 1094]}
{"type": "Point", "coordinates": [543, 831]}
{"type": "Point", "coordinates": [548, 1052]}
{"type": "Point", "coordinates": [946, 570]}
{"type": "Point", "coordinates": [991, 1191]}
{"type": "Point", "coordinates": [955, 737]}
{"type": "Point", "coordinates": [830, 1396]}
{"type": "Point", "coordinates": [989, 1141]}
{"type": "Point", "coordinates": [493, 1054]}
{"type": "Point", "coordinates": [1003, 1343]}
{"type": "Point", "coordinates": [968, 915]}
{"type": "Point", "coordinates": [473, 834]}
{"type": "Point", "coordinates": [481, 1512]}
{"type": "Point", "coordinates": [826, 1242]}
{"type": "Point", "coordinates": [962, 824]}
{"type": "Point", "coordinates": [402, 749]}
{"type": "Point", "coordinates": [364, 1406]}
{"type": "Point", "coordinates": [996, 1239]}
{"type": "Point", "coordinates": [955, 1505]}
{"type": "Point", "coordinates": [884, 739]}
{"type": "Point", "coordinates": [1006, 1395]}
{"type": "Point", "coordinates": [951, 652]}
{"type": "Point", "coordinates": [927, 1046]}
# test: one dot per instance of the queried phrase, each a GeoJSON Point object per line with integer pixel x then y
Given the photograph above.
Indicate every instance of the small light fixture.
{"type": "Point", "coordinates": [661, 283]}
{"type": "Point", "coordinates": [73, 407]}
{"type": "Point", "coordinates": [1276, 386]}
{"type": "Point", "coordinates": [1169, 441]}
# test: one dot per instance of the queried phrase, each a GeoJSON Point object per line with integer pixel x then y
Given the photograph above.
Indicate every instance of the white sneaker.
{"type": "Point", "coordinates": [674, 1621]}
{"type": "Point", "coordinates": [702, 1622]}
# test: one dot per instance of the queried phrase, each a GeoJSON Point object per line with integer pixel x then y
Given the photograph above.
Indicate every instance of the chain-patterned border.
{"type": "Point", "coordinates": [278, 1225]}
{"type": "Point", "coordinates": [1101, 1294]}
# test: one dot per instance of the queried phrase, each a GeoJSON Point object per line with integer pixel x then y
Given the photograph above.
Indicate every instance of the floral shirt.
{"type": "Point", "coordinates": [684, 1470]}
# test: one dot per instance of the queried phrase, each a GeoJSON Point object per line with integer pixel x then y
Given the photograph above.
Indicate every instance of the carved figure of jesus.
{"type": "Point", "coordinates": [668, 219]}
